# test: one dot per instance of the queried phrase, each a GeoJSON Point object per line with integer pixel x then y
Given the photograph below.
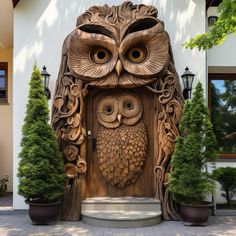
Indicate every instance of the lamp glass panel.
{"type": "Point", "coordinates": [190, 81]}
{"type": "Point", "coordinates": [185, 81]}
{"type": "Point", "coordinates": [46, 81]}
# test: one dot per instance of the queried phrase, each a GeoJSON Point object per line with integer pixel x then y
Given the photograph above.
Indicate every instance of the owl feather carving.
{"type": "Point", "coordinates": [122, 139]}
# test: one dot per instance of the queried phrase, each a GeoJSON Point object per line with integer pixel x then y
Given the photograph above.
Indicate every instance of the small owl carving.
{"type": "Point", "coordinates": [122, 139]}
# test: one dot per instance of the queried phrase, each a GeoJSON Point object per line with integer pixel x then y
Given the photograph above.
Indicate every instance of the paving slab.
{"type": "Point", "coordinates": [20, 225]}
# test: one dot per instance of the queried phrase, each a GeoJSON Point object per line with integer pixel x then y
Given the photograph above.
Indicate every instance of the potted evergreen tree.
{"type": "Point", "coordinates": [190, 183]}
{"type": "Point", "coordinates": [40, 172]}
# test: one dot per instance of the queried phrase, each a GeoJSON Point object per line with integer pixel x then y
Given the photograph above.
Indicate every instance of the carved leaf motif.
{"type": "Point", "coordinates": [58, 102]}
{"type": "Point", "coordinates": [75, 133]}
{"type": "Point", "coordinates": [75, 90]}
{"type": "Point", "coordinates": [71, 170]}
{"type": "Point", "coordinates": [82, 166]}
{"type": "Point", "coordinates": [71, 152]}
{"type": "Point", "coordinates": [110, 17]}
{"type": "Point", "coordinates": [74, 121]}
{"type": "Point", "coordinates": [66, 81]}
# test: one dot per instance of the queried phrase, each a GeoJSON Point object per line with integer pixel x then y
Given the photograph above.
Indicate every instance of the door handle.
{"type": "Point", "coordinates": [94, 144]}
{"type": "Point", "coordinates": [89, 134]}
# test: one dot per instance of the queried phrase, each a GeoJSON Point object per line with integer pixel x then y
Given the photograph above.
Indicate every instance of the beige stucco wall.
{"type": "Point", "coordinates": [6, 125]}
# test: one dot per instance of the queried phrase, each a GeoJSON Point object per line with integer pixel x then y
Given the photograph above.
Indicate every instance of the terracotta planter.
{"type": "Point", "coordinates": [44, 214]}
{"type": "Point", "coordinates": [194, 214]}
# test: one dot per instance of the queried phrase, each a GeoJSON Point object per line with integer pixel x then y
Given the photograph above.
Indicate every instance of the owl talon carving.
{"type": "Point", "coordinates": [122, 139]}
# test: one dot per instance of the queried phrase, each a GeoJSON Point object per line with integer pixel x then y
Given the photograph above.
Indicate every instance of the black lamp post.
{"type": "Point", "coordinates": [187, 78]}
{"type": "Point", "coordinates": [46, 77]}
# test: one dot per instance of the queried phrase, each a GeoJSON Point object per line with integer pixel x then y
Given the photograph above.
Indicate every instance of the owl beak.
{"type": "Point", "coordinates": [119, 116]}
{"type": "Point", "coordinates": [119, 67]}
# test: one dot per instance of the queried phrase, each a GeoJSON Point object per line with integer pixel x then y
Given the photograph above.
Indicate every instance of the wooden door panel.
{"type": "Point", "coordinates": [96, 183]}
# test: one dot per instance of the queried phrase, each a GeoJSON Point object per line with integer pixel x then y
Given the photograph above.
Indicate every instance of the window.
{"type": "Point", "coordinates": [222, 103]}
{"type": "Point", "coordinates": [3, 82]}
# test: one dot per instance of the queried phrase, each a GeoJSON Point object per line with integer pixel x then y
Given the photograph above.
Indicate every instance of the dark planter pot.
{"type": "Point", "coordinates": [194, 214]}
{"type": "Point", "coordinates": [44, 214]}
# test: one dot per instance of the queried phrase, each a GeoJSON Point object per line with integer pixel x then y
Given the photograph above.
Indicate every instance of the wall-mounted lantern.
{"type": "Point", "coordinates": [46, 77]}
{"type": "Point", "coordinates": [187, 78]}
{"type": "Point", "coordinates": [212, 20]}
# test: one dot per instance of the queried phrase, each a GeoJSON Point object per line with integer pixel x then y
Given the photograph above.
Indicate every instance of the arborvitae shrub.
{"type": "Point", "coordinates": [41, 171]}
{"type": "Point", "coordinates": [196, 146]}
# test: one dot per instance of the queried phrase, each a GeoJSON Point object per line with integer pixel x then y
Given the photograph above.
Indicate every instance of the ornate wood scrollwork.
{"type": "Point", "coordinates": [169, 101]}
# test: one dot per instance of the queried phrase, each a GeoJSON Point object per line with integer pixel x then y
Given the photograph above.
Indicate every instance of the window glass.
{"type": "Point", "coordinates": [223, 113]}
{"type": "Point", "coordinates": [2, 94]}
{"type": "Point", "coordinates": [2, 82]}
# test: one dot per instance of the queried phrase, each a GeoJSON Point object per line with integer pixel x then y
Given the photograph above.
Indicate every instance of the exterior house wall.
{"type": "Point", "coordinates": [41, 26]}
{"type": "Point", "coordinates": [6, 138]}
{"type": "Point", "coordinates": [222, 59]}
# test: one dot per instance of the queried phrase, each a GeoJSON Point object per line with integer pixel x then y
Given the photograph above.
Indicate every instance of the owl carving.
{"type": "Point", "coordinates": [121, 47]}
{"type": "Point", "coordinates": [122, 139]}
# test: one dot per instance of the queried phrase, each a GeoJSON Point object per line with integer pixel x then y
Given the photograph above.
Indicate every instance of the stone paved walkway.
{"type": "Point", "coordinates": [20, 225]}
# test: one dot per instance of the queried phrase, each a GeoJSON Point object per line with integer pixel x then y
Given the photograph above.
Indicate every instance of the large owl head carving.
{"type": "Point", "coordinates": [122, 45]}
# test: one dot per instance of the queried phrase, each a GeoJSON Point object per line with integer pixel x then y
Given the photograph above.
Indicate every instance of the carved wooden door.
{"type": "Point", "coordinates": [97, 183]}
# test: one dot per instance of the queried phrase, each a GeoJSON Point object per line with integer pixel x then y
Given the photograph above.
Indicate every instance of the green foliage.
{"type": "Point", "coordinates": [225, 25]}
{"type": "Point", "coordinates": [3, 186]}
{"type": "Point", "coordinates": [40, 171]}
{"type": "Point", "coordinates": [195, 147]}
{"type": "Point", "coordinates": [226, 176]}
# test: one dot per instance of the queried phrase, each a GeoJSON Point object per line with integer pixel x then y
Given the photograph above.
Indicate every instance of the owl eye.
{"type": "Point", "coordinates": [108, 110]}
{"type": "Point", "coordinates": [100, 55]}
{"type": "Point", "coordinates": [129, 105]}
{"type": "Point", "coordinates": [137, 54]}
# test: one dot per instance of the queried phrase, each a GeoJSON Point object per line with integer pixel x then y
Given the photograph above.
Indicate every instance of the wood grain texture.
{"type": "Point", "coordinates": [116, 50]}
{"type": "Point", "coordinates": [97, 185]}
